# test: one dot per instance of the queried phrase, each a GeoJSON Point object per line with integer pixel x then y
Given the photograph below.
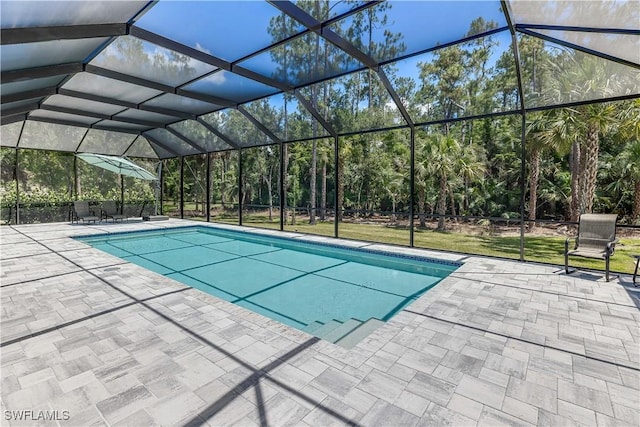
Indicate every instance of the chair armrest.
{"type": "Point", "coordinates": [611, 246]}
{"type": "Point", "coordinates": [566, 244]}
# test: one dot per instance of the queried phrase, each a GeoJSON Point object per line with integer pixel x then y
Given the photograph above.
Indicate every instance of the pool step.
{"type": "Point", "coordinates": [346, 334]}
{"type": "Point", "coordinates": [312, 327]}
{"type": "Point", "coordinates": [359, 333]}
{"type": "Point", "coordinates": [342, 330]}
{"type": "Point", "coordinates": [326, 328]}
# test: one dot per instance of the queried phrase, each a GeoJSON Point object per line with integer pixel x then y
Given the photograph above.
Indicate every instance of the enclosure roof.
{"type": "Point", "coordinates": [163, 79]}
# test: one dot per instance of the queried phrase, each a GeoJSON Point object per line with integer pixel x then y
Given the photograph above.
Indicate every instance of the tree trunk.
{"type": "Point", "coordinates": [312, 184]}
{"type": "Point", "coordinates": [574, 163]}
{"type": "Point", "coordinates": [636, 202]}
{"type": "Point", "coordinates": [393, 209]}
{"type": "Point", "coordinates": [534, 175]}
{"type": "Point", "coordinates": [453, 206]}
{"type": "Point", "coordinates": [78, 185]}
{"type": "Point", "coordinates": [223, 187]}
{"type": "Point", "coordinates": [590, 176]}
{"type": "Point", "coordinates": [323, 194]}
{"type": "Point", "coordinates": [442, 202]}
{"type": "Point", "coordinates": [269, 196]}
{"type": "Point", "coordinates": [421, 207]}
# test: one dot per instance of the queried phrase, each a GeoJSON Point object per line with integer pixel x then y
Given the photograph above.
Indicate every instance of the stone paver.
{"type": "Point", "coordinates": [496, 343]}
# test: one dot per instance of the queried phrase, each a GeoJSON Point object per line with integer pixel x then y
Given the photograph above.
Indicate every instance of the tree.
{"type": "Point", "coordinates": [444, 158]}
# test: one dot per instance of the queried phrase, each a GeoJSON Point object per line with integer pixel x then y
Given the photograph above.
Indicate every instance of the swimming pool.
{"type": "Point", "coordinates": [335, 293]}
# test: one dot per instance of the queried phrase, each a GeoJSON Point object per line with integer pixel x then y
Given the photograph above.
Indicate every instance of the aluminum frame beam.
{"type": "Point", "coordinates": [83, 125]}
{"type": "Point", "coordinates": [186, 140]}
{"type": "Point", "coordinates": [217, 133]}
{"type": "Point", "coordinates": [317, 27]}
{"type": "Point", "coordinates": [132, 105]}
{"type": "Point", "coordinates": [313, 24]}
{"type": "Point", "coordinates": [579, 48]}
{"type": "Point", "coordinates": [205, 57]}
{"type": "Point", "coordinates": [25, 74]}
{"type": "Point", "coordinates": [260, 126]}
{"type": "Point", "coordinates": [155, 141]}
{"type": "Point", "coordinates": [84, 113]}
{"type": "Point", "coordinates": [10, 36]}
{"type": "Point", "coordinates": [23, 109]}
{"type": "Point", "coordinates": [314, 112]}
{"type": "Point", "coordinates": [29, 94]}
{"type": "Point", "coordinates": [104, 72]}
{"type": "Point", "coordinates": [13, 119]}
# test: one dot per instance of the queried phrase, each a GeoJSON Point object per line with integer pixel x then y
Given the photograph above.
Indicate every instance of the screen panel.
{"type": "Point", "coordinates": [283, 115]}
{"type": "Point", "coordinates": [10, 133]}
{"type": "Point", "coordinates": [134, 114]}
{"type": "Point", "coordinates": [32, 84]}
{"type": "Point", "coordinates": [302, 60]}
{"type": "Point", "coordinates": [50, 136]}
{"type": "Point", "coordinates": [141, 148]}
{"type": "Point", "coordinates": [227, 85]}
{"type": "Point", "coordinates": [623, 46]}
{"type": "Point", "coordinates": [55, 115]}
{"type": "Point", "coordinates": [237, 127]}
{"type": "Point", "coordinates": [182, 103]}
{"type": "Point", "coordinates": [139, 58]}
{"type": "Point", "coordinates": [389, 30]}
{"type": "Point", "coordinates": [110, 88]}
{"type": "Point", "coordinates": [23, 14]}
{"type": "Point", "coordinates": [170, 140]}
{"type": "Point", "coordinates": [253, 26]}
{"type": "Point", "coordinates": [473, 78]}
{"type": "Point", "coordinates": [40, 54]}
{"type": "Point", "coordinates": [200, 135]}
{"type": "Point", "coordinates": [623, 14]}
{"type": "Point", "coordinates": [82, 104]}
{"type": "Point", "coordinates": [106, 142]}
{"type": "Point", "coordinates": [560, 75]}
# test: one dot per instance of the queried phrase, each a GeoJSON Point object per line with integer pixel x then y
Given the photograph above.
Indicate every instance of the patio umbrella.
{"type": "Point", "coordinates": [117, 165]}
{"type": "Point", "coordinates": [120, 166]}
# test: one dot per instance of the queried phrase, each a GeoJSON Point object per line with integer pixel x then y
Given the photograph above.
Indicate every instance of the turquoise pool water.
{"type": "Point", "coordinates": [323, 289]}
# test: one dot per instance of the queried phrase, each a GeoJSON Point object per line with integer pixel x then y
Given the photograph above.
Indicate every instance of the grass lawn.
{"type": "Point", "coordinates": [538, 248]}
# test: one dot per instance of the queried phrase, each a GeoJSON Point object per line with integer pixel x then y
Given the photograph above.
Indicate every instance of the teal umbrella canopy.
{"type": "Point", "coordinates": [117, 165]}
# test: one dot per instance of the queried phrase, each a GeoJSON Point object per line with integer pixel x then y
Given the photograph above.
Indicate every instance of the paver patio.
{"type": "Point", "coordinates": [496, 343]}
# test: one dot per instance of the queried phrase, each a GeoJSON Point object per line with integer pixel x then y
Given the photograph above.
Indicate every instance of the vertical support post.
{"type": "Point", "coordinates": [121, 194]}
{"type": "Point", "coordinates": [240, 186]}
{"type": "Point", "coordinates": [17, 189]}
{"type": "Point", "coordinates": [281, 189]}
{"type": "Point", "coordinates": [523, 155]}
{"type": "Point", "coordinates": [412, 183]}
{"type": "Point", "coordinates": [506, 9]}
{"type": "Point", "coordinates": [75, 178]}
{"type": "Point", "coordinates": [336, 176]}
{"type": "Point", "coordinates": [161, 184]}
{"type": "Point", "coordinates": [181, 187]}
{"type": "Point", "coordinates": [208, 203]}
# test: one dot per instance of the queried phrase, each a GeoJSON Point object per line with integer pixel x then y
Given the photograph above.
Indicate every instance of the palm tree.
{"type": "Point", "coordinates": [549, 131]}
{"type": "Point", "coordinates": [580, 77]}
{"type": "Point", "coordinates": [631, 158]}
{"type": "Point", "coordinates": [445, 159]}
